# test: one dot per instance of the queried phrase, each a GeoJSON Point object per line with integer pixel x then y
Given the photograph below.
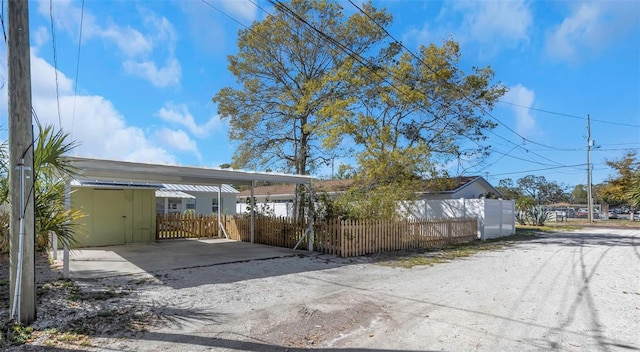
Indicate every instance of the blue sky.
{"type": "Point", "coordinates": [140, 86]}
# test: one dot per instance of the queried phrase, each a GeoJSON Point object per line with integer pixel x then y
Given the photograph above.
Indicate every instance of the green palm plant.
{"type": "Point", "coordinates": [52, 172]}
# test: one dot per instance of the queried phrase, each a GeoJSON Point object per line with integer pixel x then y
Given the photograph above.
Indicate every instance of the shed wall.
{"type": "Point", "coordinates": [114, 216]}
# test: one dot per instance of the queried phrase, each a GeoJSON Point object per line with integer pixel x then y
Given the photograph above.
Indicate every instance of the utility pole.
{"type": "Point", "coordinates": [589, 196]}
{"type": "Point", "coordinates": [22, 227]}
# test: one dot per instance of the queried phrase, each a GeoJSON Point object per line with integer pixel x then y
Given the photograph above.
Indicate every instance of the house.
{"type": "Point", "coordinates": [202, 199]}
{"type": "Point", "coordinates": [467, 187]}
{"type": "Point", "coordinates": [457, 197]}
{"type": "Point", "coordinates": [279, 198]}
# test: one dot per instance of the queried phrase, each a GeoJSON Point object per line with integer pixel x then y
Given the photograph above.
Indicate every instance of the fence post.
{"type": "Point", "coordinates": [501, 217]}
{"type": "Point", "coordinates": [341, 246]}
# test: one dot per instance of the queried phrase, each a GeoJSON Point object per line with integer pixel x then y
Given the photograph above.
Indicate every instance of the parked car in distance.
{"type": "Point", "coordinates": [613, 215]}
{"type": "Point", "coordinates": [583, 212]}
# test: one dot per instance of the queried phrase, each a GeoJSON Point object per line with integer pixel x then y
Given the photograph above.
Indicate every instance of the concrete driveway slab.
{"type": "Point", "coordinates": [99, 262]}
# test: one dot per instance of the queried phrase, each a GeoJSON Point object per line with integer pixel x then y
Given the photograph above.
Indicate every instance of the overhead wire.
{"type": "Point", "coordinates": [568, 115]}
{"type": "Point", "coordinates": [75, 87]}
{"type": "Point", "coordinates": [360, 59]}
{"type": "Point", "coordinates": [223, 13]}
{"type": "Point", "coordinates": [55, 60]}
{"type": "Point", "coordinates": [543, 169]}
{"type": "Point", "coordinates": [445, 82]}
{"type": "Point", "coordinates": [4, 29]}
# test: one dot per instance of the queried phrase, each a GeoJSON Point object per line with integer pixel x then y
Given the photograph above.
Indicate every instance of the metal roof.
{"type": "Point", "coordinates": [114, 184]}
{"type": "Point", "coordinates": [113, 170]}
{"type": "Point", "coordinates": [173, 194]}
{"type": "Point", "coordinates": [199, 188]}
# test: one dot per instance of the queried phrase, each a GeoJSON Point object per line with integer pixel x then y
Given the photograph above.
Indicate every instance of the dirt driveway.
{"type": "Point", "coordinates": [567, 291]}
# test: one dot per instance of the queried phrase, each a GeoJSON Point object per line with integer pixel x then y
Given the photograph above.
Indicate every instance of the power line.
{"type": "Point", "coordinates": [55, 60]}
{"type": "Point", "coordinates": [4, 29]}
{"type": "Point", "coordinates": [567, 115]}
{"type": "Point", "coordinates": [75, 88]}
{"type": "Point", "coordinates": [360, 60]}
{"type": "Point", "coordinates": [223, 13]}
{"type": "Point", "coordinates": [544, 169]}
{"type": "Point", "coordinates": [464, 95]}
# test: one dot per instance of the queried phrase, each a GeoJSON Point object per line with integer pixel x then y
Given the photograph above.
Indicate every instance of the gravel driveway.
{"type": "Point", "coordinates": [577, 291]}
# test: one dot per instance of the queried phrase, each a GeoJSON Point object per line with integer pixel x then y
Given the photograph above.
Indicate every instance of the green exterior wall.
{"type": "Point", "coordinates": [114, 216]}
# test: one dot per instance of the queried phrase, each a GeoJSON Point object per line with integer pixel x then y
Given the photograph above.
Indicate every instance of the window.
{"type": "Point", "coordinates": [214, 205]}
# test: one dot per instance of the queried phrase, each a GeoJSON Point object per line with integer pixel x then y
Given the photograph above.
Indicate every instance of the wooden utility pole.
{"type": "Point", "coordinates": [22, 226]}
{"type": "Point", "coordinates": [589, 195]}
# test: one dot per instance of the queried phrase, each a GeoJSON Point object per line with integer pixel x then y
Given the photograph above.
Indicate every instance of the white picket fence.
{"type": "Point", "coordinates": [496, 217]}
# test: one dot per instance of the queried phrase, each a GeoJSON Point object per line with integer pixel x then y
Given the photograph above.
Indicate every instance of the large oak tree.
{"type": "Point", "coordinates": [282, 69]}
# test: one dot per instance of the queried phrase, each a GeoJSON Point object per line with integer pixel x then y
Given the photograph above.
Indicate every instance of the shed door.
{"type": "Point", "coordinates": [109, 218]}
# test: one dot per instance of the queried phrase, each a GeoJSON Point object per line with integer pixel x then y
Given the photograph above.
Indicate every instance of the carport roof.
{"type": "Point", "coordinates": [114, 170]}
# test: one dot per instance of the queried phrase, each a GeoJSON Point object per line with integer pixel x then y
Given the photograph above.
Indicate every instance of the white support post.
{"type": "Point", "coordinates": [501, 216]}
{"type": "Point", "coordinates": [310, 215]}
{"type": "Point", "coordinates": [65, 262]}
{"type": "Point", "coordinates": [54, 245]}
{"type": "Point", "coordinates": [65, 254]}
{"type": "Point", "coordinates": [513, 216]}
{"type": "Point", "coordinates": [220, 213]}
{"type": "Point", "coordinates": [253, 211]}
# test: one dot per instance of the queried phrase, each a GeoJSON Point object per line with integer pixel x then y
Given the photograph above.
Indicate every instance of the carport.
{"type": "Point", "coordinates": [105, 171]}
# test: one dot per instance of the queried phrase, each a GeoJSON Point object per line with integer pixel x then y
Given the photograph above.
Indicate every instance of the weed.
{"type": "Point", "coordinates": [18, 334]}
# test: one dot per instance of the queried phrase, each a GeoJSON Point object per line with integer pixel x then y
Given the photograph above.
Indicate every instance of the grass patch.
{"type": "Point", "coordinates": [422, 257]}
{"type": "Point", "coordinates": [534, 230]}
{"type": "Point", "coordinates": [55, 338]}
{"type": "Point", "coordinates": [430, 257]}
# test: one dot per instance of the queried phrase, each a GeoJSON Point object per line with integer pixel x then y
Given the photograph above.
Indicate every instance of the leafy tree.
{"type": "Point", "coordinates": [508, 189]}
{"type": "Point", "coordinates": [633, 194]}
{"type": "Point", "coordinates": [344, 172]}
{"type": "Point", "coordinates": [618, 189]}
{"type": "Point", "coordinates": [411, 113]}
{"type": "Point", "coordinates": [408, 116]}
{"type": "Point", "coordinates": [282, 68]}
{"type": "Point", "coordinates": [524, 203]}
{"type": "Point", "coordinates": [52, 172]}
{"type": "Point", "coordinates": [541, 190]}
{"type": "Point", "coordinates": [579, 194]}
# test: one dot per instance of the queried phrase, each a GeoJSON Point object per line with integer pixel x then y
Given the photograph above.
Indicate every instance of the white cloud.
{"type": "Point", "coordinates": [180, 115]}
{"type": "Point", "coordinates": [422, 35]}
{"type": "Point", "coordinates": [591, 26]}
{"type": "Point", "coordinates": [493, 24]}
{"type": "Point", "coordinates": [91, 120]}
{"type": "Point", "coordinates": [130, 41]}
{"type": "Point", "coordinates": [43, 79]}
{"type": "Point", "coordinates": [166, 76]}
{"type": "Point", "coordinates": [506, 22]}
{"type": "Point", "coordinates": [139, 48]}
{"type": "Point", "coordinates": [40, 36]}
{"type": "Point", "coordinates": [241, 8]}
{"type": "Point", "coordinates": [520, 95]}
{"type": "Point", "coordinates": [178, 140]}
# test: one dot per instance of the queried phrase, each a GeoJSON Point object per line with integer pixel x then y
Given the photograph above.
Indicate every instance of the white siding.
{"type": "Point", "coordinates": [496, 218]}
